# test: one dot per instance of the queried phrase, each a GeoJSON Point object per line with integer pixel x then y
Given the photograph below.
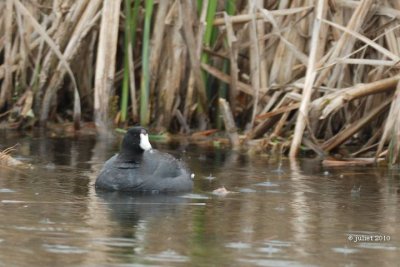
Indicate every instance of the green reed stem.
{"type": "Point", "coordinates": [145, 81]}
{"type": "Point", "coordinates": [127, 42]}
{"type": "Point", "coordinates": [135, 13]}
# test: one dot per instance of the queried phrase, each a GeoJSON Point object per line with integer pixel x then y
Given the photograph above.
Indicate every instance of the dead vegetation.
{"type": "Point", "coordinates": [310, 75]}
{"type": "Point", "coordinates": [7, 160]}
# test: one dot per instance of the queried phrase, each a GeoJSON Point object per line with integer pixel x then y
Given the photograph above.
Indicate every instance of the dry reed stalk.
{"type": "Point", "coordinates": [379, 48]}
{"type": "Point", "coordinates": [233, 56]}
{"type": "Point", "coordinates": [229, 123]}
{"type": "Point", "coordinates": [184, 9]}
{"type": "Point", "coordinates": [26, 101]}
{"type": "Point", "coordinates": [23, 51]}
{"type": "Point", "coordinates": [280, 124]}
{"type": "Point", "coordinates": [54, 49]}
{"type": "Point", "coordinates": [254, 60]}
{"type": "Point", "coordinates": [311, 73]}
{"type": "Point", "coordinates": [157, 42]}
{"type": "Point", "coordinates": [243, 87]}
{"type": "Point", "coordinates": [35, 76]}
{"type": "Point", "coordinates": [392, 129]}
{"type": "Point", "coordinates": [171, 78]}
{"type": "Point", "coordinates": [284, 106]}
{"type": "Point", "coordinates": [261, 48]}
{"type": "Point", "coordinates": [65, 23]}
{"type": "Point", "coordinates": [285, 56]}
{"type": "Point", "coordinates": [358, 45]}
{"type": "Point", "coordinates": [7, 82]}
{"type": "Point", "coordinates": [243, 18]}
{"type": "Point", "coordinates": [259, 130]}
{"type": "Point", "coordinates": [360, 61]}
{"type": "Point", "coordinates": [380, 9]}
{"type": "Point", "coordinates": [322, 107]}
{"type": "Point", "coordinates": [84, 24]}
{"type": "Point", "coordinates": [199, 41]}
{"type": "Point", "coordinates": [345, 44]}
{"type": "Point", "coordinates": [105, 64]}
{"type": "Point", "coordinates": [278, 111]}
{"type": "Point", "coordinates": [392, 41]}
{"type": "Point", "coordinates": [354, 127]}
{"type": "Point", "coordinates": [88, 73]}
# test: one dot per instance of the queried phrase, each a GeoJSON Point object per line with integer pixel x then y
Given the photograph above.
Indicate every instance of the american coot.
{"type": "Point", "coordinates": [138, 167]}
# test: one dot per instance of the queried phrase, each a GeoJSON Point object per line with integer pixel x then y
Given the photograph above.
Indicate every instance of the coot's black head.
{"type": "Point", "coordinates": [135, 142]}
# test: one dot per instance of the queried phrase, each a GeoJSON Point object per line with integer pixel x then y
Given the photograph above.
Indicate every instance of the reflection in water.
{"type": "Point", "coordinates": [280, 213]}
{"type": "Point", "coordinates": [301, 208]}
{"type": "Point", "coordinates": [128, 210]}
{"type": "Point", "coordinates": [136, 217]}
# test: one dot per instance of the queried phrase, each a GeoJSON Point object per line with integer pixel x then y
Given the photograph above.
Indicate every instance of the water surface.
{"type": "Point", "coordinates": [279, 213]}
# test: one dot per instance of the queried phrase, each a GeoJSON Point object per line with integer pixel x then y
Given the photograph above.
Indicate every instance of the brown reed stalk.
{"type": "Point", "coordinates": [105, 64]}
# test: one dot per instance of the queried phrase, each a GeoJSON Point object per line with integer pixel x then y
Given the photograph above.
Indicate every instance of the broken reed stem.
{"type": "Point", "coordinates": [322, 107]}
{"type": "Point", "coordinates": [229, 123]}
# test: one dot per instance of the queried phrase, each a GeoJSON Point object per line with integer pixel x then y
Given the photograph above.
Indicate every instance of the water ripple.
{"type": "Point", "coordinates": [6, 190]}
{"type": "Point", "coordinates": [55, 248]}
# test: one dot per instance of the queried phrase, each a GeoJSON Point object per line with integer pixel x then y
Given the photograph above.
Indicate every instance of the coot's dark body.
{"type": "Point", "coordinates": [141, 169]}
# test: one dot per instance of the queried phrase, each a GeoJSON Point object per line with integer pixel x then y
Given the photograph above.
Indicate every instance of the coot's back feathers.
{"type": "Point", "coordinates": [134, 169]}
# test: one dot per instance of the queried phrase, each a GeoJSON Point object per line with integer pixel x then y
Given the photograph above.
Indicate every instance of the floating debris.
{"type": "Point", "coordinates": [221, 191]}
{"type": "Point", "coordinates": [356, 190]}
{"type": "Point", "coordinates": [6, 159]}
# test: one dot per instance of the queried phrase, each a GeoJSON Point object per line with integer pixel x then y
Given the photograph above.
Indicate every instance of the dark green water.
{"type": "Point", "coordinates": [298, 215]}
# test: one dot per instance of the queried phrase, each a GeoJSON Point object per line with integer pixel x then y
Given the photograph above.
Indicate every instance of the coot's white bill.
{"type": "Point", "coordinates": [144, 142]}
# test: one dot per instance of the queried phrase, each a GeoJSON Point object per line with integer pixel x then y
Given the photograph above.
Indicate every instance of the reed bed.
{"type": "Point", "coordinates": [288, 76]}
